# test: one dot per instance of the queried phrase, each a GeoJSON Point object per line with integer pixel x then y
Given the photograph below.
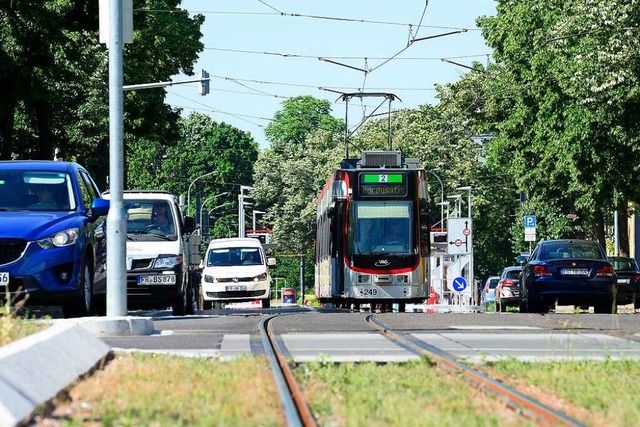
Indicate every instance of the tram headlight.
{"type": "Point", "coordinates": [363, 279]}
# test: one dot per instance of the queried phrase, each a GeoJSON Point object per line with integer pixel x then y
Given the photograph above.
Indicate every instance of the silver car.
{"type": "Point", "coordinates": [488, 291]}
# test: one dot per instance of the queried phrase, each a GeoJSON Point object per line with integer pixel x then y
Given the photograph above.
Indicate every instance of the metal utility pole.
{"type": "Point", "coordinates": [241, 204]}
{"type": "Point", "coordinates": [302, 279]}
{"type": "Point", "coordinates": [471, 278]}
{"type": "Point", "coordinates": [116, 219]}
{"type": "Point", "coordinates": [254, 218]}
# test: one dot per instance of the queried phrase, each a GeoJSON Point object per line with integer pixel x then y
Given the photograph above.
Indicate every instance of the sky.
{"type": "Point", "coordinates": [260, 52]}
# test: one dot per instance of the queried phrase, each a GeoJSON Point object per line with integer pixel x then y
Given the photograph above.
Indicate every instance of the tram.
{"type": "Point", "coordinates": [372, 240]}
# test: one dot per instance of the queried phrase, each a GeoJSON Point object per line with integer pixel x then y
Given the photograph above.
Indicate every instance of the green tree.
{"type": "Point", "coordinates": [570, 138]}
{"type": "Point", "coordinates": [204, 146]}
{"type": "Point", "coordinates": [305, 142]}
{"type": "Point", "coordinates": [54, 78]}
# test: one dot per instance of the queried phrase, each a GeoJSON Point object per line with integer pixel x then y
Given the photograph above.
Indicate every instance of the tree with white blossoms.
{"type": "Point", "coordinates": [570, 139]}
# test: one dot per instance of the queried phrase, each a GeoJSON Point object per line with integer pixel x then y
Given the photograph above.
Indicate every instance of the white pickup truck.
{"type": "Point", "coordinates": [162, 253]}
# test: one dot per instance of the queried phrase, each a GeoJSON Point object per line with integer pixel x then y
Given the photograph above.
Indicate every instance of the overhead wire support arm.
{"type": "Point", "coordinates": [458, 64]}
{"type": "Point", "coordinates": [343, 65]}
{"type": "Point", "coordinates": [435, 36]}
{"type": "Point", "coordinates": [203, 80]}
{"type": "Point", "coordinates": [159, 84]}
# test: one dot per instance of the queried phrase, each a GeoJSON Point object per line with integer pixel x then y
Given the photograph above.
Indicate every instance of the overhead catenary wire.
{"type": "Point", "coordinates": [297, 15]}
{"type": "Point", "coordinates": [333, 57]}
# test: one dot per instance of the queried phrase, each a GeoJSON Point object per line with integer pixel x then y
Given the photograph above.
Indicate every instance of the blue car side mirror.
{"type": "Point", "coordinates": [99, 207]}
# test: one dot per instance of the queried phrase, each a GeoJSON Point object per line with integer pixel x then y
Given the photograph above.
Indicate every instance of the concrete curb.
{"type": "Point", "coordinates": [35, 369]}
{"type": "Point", "coordinates": [115, 325]}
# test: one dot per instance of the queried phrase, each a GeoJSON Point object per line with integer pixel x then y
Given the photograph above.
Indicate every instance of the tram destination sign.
{"type": "Point", "coordinates": [383, 185]}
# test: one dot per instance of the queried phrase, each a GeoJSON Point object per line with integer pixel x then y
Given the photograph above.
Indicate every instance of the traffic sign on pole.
{"type": "Point", "coordinates": [459, 284]}
{"type": "Point", "coordinates": [459, 236]}
{"type": "Point", "coordinates": [529, 234]}
{"type": "Point", "coordinates": [530, 221]}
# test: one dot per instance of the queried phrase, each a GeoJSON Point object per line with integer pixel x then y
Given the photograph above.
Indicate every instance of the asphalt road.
{"type": "Point", "coordinates": [309, 334]}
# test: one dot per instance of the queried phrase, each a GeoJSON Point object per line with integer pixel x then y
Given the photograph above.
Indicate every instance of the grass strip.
{"type": "Point", "coordinates": [397, 394]}
{"type": "Point", "coordinates": [594, 392]}
{"type": "Point", "coordinates": [160, 390]}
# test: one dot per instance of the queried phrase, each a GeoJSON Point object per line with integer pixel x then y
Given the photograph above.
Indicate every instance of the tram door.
{"type": "Point", "coordinates": [337, 248]}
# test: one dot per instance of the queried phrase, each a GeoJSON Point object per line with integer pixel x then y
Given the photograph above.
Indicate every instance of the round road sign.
{"type": "Point", "coordinates": [459, 284]}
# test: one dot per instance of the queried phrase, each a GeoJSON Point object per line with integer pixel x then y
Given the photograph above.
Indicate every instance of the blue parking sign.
{"type": "Point", "coordinates": [529, 221]}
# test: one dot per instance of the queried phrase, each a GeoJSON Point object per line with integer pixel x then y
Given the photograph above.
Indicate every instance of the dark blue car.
{"type": "Point", "coordinates": [568, 272]}
{"type": "Point", "coordinates": [52, 235]}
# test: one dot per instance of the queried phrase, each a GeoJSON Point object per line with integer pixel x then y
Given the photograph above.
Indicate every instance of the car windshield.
{"type": "Point", "coordinates": [380, 227]}
{"type": "Point", "coordinates": [36, 191]}
{"type": "Point", "coordinates": [231, 257]}
{"type": "Point", "coordinates": [579, 250]}
{"type": "Point", "coordinates": [149, 218]}
{"type": "Point", "coordinates": [512, 274]}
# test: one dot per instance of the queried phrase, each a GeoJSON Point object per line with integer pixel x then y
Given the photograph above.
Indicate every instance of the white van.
{"type": "Point", "coordinates": [235, 270]}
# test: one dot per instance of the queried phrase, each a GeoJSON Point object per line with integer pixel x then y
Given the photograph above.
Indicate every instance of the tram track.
{"type": "Point", "coordinates": [526, 405]}
{"type": "Point", "coordinates": [296, 408]}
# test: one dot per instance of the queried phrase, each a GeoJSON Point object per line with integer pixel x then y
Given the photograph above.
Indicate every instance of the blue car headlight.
{"type": "Point", "coordinates": [167, 262]}
{"type": "Point", "coordinates": [59, 239]}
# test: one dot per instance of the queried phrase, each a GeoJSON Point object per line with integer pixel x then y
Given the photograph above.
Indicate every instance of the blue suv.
{"type": "Point", "coordinates": [52, 235]}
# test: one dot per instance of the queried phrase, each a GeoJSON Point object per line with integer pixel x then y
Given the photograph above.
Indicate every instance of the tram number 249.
{"type": "Point", "coordinates": [369, 292]}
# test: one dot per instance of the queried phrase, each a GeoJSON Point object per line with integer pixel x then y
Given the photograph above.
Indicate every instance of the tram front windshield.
{"type": "Point", "coordinates": [381, 227]}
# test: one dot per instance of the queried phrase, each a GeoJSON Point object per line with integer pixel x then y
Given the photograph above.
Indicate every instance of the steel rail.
{"type": "Point", "coordinates": [296, 409]}
{"type": "Point", "coordinates": [528, 406]}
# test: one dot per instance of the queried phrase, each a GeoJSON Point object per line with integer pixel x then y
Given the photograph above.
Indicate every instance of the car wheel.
{"type": "Point", "coordinates": [179, 305]}
{"type": "Point", "coordinates": [606, 307]}
{"type": "Point", "coordinates": [266, 303]}
{"type": "Point", "coordinates": [531, 305]}
{"type": "Point", "coordinates": [204, 304]}
{"type": "Point", "coordinates": [190, 300]}
{"type": "Point", "coordinates": [402, 307]}
{"type": "Point", "coordinates": [83, 304]}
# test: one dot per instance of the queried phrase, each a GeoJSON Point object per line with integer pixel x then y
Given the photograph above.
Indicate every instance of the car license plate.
{"type": "Point", "coordinates": [236, 288]}
{"type": "Point", "coordinates": [623, 281]}
{"type": "Point", "coordinates": [574, 271]}
{"type": "Point", "coordinates": [158, 279]}
{"type": "Point", "coordinates": [4, 279]}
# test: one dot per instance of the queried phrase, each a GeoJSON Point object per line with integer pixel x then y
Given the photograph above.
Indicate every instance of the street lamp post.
{"type": "Point", "coordinates": [205, 202]}
{"type": "Point", "coordinates": [254, 218]}
{"type": "Point", "coordinates": [458, 207]}
{"type": "Point", "coordinates": [443, 204]}
{"type": "Point", "coordinates": [191, 185]}
{"type": "Point", "coordinates": [441, 198]}
{"type": "Point", "coordinates": [241, 204]}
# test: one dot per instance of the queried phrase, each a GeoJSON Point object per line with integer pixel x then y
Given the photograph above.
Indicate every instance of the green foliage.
{"type": "Point", "coordinates": [570, 138]}
{"type": "Point", "coordinates": [54, 79]}
{"type": "Point", "coordinates": [204, 146]}
{"type": "Point", "coordinates": [289, 176]}
{"type": "Point", "coordinates": [299, 117]}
